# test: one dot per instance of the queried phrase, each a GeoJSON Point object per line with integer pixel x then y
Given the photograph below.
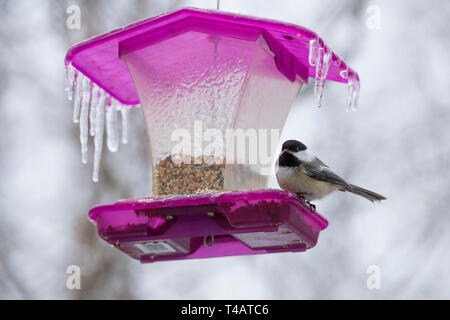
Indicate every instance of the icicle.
{"type": "Point", "coordinates": [78, 93]}
{"type": "Point", "coordinates": [99, 128]}
{"type": "Point", "coordinates": [322, 65]}
{"type": "Point", "coordinates": [112, 133]}
{"type": "Point", "coordinates": [355, 105]}
{"type": "Point", "coordinates": [353, 92]}
{"type": "Point", "coordinates": [124, 111]}
{"type": "Point", "coordinates": [84, 116]}
{"type": "Point", "coordinates": [92, 107]}
{"type": "Point", "coordinates": [93, 110]}
{"type": "Point", "coordinates": [70, 78]}
{"type": "Point", "coordinates": [320, 58]}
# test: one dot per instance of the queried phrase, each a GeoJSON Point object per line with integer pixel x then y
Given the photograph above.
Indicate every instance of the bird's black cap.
{"type": "Point", "coordinates": [293, 145]}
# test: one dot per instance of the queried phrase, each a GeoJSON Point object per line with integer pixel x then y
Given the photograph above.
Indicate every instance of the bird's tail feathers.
{"type": "Point", "coordinates": [369, 195]}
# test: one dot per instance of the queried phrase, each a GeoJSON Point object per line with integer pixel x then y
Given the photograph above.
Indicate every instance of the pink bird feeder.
{"type": "Point", "coordinates": [189, 71]}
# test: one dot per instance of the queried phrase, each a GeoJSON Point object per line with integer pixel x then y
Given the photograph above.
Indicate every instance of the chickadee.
{"type": "Point", "coordinates": [305, 175]}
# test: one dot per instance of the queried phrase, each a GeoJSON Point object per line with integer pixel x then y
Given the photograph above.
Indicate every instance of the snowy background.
{"type": "Point", "coordinates": [396, 144]}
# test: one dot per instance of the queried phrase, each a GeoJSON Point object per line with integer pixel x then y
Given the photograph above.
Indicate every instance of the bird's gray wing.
{"type": "Point", "coordinates": [316, 169]}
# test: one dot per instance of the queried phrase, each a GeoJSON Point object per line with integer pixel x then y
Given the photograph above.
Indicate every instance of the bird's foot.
{"type": "Point", "coordinates": [300, 195]}
{"type": "Point", "coordinates": [311, 206]}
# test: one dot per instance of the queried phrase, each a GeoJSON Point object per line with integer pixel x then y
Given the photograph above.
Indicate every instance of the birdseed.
{"type": "Point", "coordinates": [188, 177]}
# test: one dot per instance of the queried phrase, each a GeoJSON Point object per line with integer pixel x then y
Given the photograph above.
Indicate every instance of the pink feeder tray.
{"type": "Point", "coordinates": [208, 225]}
{"type": "Point", "coordinates": [196, 70]}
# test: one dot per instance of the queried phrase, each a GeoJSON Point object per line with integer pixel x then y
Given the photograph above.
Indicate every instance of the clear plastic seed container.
{"type": "Point", "coordinates": [214, 106]}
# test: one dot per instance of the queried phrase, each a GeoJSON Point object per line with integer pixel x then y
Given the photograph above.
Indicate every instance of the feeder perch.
{"type": "Point", "coordinates": [194, 70]}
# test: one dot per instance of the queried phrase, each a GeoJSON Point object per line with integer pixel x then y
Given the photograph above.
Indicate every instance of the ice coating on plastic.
{"type": "Point", "coordinates": [90, 111]}
{"type": "Point", "coordinates": [344, 74]}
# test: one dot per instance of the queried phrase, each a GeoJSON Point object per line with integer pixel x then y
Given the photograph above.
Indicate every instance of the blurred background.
{"type": "Point", "coordinates": [396, 144]}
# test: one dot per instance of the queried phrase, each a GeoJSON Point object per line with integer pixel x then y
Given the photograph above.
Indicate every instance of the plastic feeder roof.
{"type": "Point", "coordinates": [99, 57]}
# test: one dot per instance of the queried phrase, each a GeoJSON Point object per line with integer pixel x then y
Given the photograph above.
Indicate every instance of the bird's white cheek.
{"type": "Point", "coordinates": [304, 156]}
